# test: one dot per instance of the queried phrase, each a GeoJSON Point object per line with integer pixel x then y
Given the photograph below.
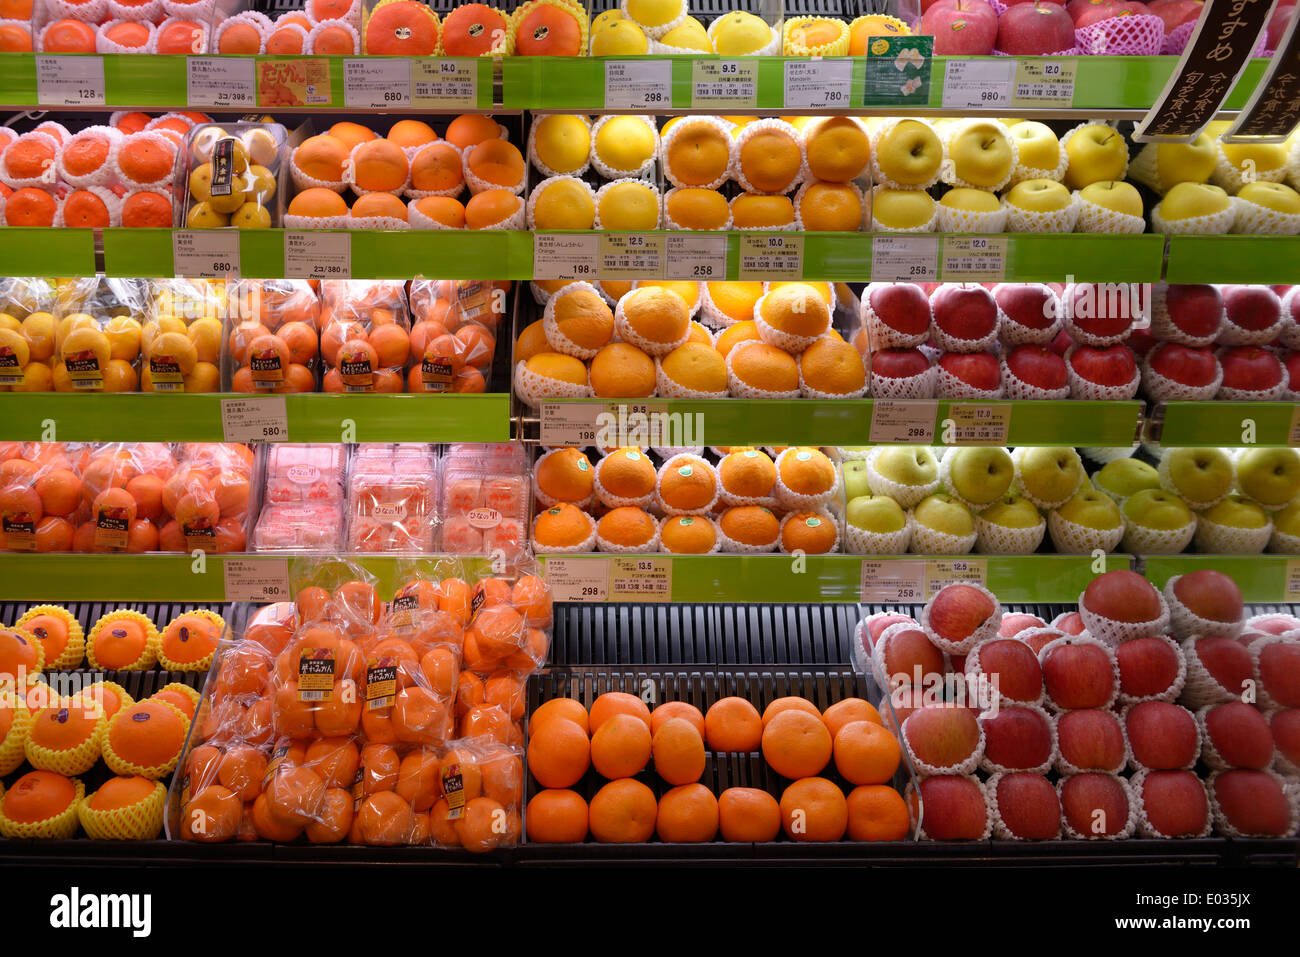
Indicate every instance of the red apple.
{"type": "Point", "coordinates": [1210, 594]}
{"type": "Point", "coordinates": [1291, 362]}
{"type": "Point", "coordinates": [942, 737]}
{"type": "Point", "coordinates": [1285, 726]}
{"type": "Point", "coordinates": [1277, 25]}
{"type": "Point", "coordinates": [1147, 666]}
{"type": "Point", "coordinates": [960, 27]}
{"type": "Point", "coordinates": [901, 306]}
{"type": "Point", "coordinates": [965, 311]}
{"type": "Point", "coordinates": [1028, 807]}
{"type": "Point", "coordinates": [1106, 9]}
{"type": "Point", "coordinates": [1012, 665]}
{"type": "Point", "coordinates": [1091, 739]}
{"type": "Point", "coordinates": [1102, 310]}
{"type": "Point", "coordinates": [1062, 343]}
{"type": "Point", "coordinates": [1163, 736]}
{"type": "Point", "coordinates": [1253, 308]}
{"type": "Point", "coordinates": [1079, 675]}
{"type": "Point", "coordinates": [1275, 624]}
{"type": "Point", "coordinates": [1227, 661]}
{"type": "Point", "coordinates": [1034, 29]}
{"type": "Point", "coordinates": [1187, 365]}
{"type": "Point", "coordinates": [1175, 803]}
{"type": "Point", "coordinates": [1028, 304]}
{"type": "Point", "coordinates": [877, 624]}
{"type": "Point", "coordinates": [1253, 802]}
{"type": "Point", "coordinates": [979, 370]}
{"type": "Point", "coordinates": [1037, 638]}
{"type": "Point", "coordinates": [1176, 12]}
{"type": "Point", "coordinates": [1017, 622]}
{"type": "Point", "coordinates": [1279, 671]}
{"type": "Point", "coordinates": [1122, 595]}
{"type": "Point", "coordinates": [1240, 734]}
{"type": "Point", "coordinates": [906, 650]}
{"type": "Point", "coordinates": [1094, 805]}
{"type": "Point", "coordinates": [1141, 341]}
{"type": "Point", "coordinates": [1250, 369]}
{"type": "Point", "coordinates": [898, 363]}
{"type": "Point", "coordinates": [1017, 738]}
{"type": "Point", "coordinates": [1195, 310]}
{"type": "Point", "coordinates": [1037, 366]}
{"type": "Point", "coordinates": [1070, 622]}
{"type": "Point", "coordinates": [957, 611]}
{"type": "Point", "coordinates": [1109, 366]}
{"type": "Point", "coordinates": [952, 808]}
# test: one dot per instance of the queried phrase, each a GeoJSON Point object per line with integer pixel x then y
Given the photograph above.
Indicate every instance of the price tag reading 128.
{"type": "Point", "coordinates": [70, 80]}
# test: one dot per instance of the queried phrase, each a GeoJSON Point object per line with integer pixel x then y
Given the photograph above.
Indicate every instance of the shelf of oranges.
{"type": "Point", "coordinates": [27, 576]}
{"type": "Point", "coordinates": [841, 422]}
{"type": "Point", "coordinates": [1227, 424]}
{"type": "Point", "coordinates": [157, 417]}
{"type": "Point", "coordinates": [1100, 86]}
{"type": "Point", "coordinates": [875, 579]}
{"type": "Point", "coordinates": [1263, 579]}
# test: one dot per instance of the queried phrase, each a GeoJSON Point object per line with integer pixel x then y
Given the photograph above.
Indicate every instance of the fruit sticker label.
{"type": "Point", "coordinates": [978, 84]}
{"type": "Point", "coordinates": [638, 84]}
{"type": "Point", "coordinates": [11, 372]}
{"type": "Point", "coordinates": [381, 682]}
{"type": "Point", "coordinates": [1044, 83]}
{"type": "Point", "coordinates": [436, 373]}
{"type": "Point", "coordinates": [165, 374]}
{"type": "Point", "coordinates": [898, 71]}
{"type": "Point", "coordinates": [277, 759]}
{"type": "Point", "coordinates": [200, 535]}
{"type": "Point", "coordinates": [891, 582]}
{"type": "Point", "coordinates": [453, 786]}
{"type": "Point", "coordinates": [264, 364]}
{"type": "Point", "coordinates": [112, 523]}
{"type": "Point", "coordinates": [304, 82]}
{"type": "Point", "coordinates": [818, 84]}
{"type": "Point", "coordinates": [355, 370]}
{"type": "Point", "coordinates": [484, 518]}
{"type": "Point", "coordinates": [315, 674]}
{"type": "Point", "coordinates": [221, 81]}
{"type": "Point", "coordinates": [402, 612]}
{"type": "Point", "coordinates": [358, 790]}
{"type": "Point", "coordinates": [19, 532]}
{"type": "Point", "coordinates": [640, 579]}
{"type": "Point", "coordinates": [223, 167]}
{"type": "Point", "coordinates": [83, 370]}
{"type": "Point", "coordinates": [726, 84]}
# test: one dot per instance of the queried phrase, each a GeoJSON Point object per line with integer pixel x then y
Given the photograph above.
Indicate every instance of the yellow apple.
{"type": "Point", "coordinates": [901, 208]}
{"type": "Point", "coordinates": [1039, 196]}
{"type": "Point", "coordinates": [971, 200]}
{"type": "Point", "coordinates": [908, 154]}
{"type": "Point", "coordinates": [1114, 195]}
{"type": "Point", "coordinates": [981, 153]}
{"type": "Point", "coordinates": [1190, 200]}
{"type": "Point", "coordinates": [1274, 196]}
{"type": "Point", "coordinates": [1162, 166]}
{"type": "Point", "coordinates": [1039, 148]}
{"type": "Point", "coordinates": [1095, 152]}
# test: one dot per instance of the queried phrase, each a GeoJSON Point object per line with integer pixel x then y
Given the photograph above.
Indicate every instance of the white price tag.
{"type": "Point", "coordinates": [978, 84]}
{"type": "Point", "coordinates": [772, 256]}
{"type": "Point", "coordinates": [893, 582]}
{"type": "Point", "coordinates": [570, 423]}
{"type": "Point", "coordinates": [317, 255]}
{"type": "Point", "coordinates": [905, 258]}
{"type": "Point", "coordinates": [261, 419]}
{"type": "Point", "coordinates": [818, 84]}
{"type": "Point", "coordinates": [70, 80]}
{"type": "Point", "coordinates": [724, 84]}
{"type": "Point", "coordinates": [222, 81]}
{"type": "Point", "coordinates": [442, 83]}
{"type": "Point", "coordinates": [699, 256]}
{"type": "Point", "coordinates": [206, 253]}
{"type": "Point", "coordinates": [257, 579]}
{"type": "Point", "coordinates": [565, 255]}
{"type": "Point", "coordinates": [903, 421]}
{"type": "Point", "coordinates": [638, 84]}
{"type": "Point", "coordinates": [376, 82]}
{"type": "Point", "coordinates": [578, 579]}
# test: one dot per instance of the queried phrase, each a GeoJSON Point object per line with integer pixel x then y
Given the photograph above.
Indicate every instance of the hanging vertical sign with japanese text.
{"type": "Point", "coordinates": [1274, 109]}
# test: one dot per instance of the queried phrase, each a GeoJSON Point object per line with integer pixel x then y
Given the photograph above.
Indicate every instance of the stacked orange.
{"type": "Point", "coordinates": [620, 736]}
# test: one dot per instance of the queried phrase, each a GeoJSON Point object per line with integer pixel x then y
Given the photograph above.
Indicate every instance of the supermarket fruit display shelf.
{"type": "Point", "coordinates": [1116, 87]}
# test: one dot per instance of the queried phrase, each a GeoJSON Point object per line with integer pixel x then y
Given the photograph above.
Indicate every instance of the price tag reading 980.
{"type": "Point", "coordinates": [978, 84]}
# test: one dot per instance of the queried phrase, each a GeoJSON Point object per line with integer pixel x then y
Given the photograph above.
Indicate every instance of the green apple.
{"type": "Point", "coordinates": [1092, 509]}
{"type": "Point", "coordinates": [1158, 509]}
{"type": "Point", "coordinates": [1270, 476]}
{"type": "Point", "coordinates": [1039, 196]}
{"type": "Point", "coordinates": [1198, 475]}
{"type": "Point", "coordinates": [1122, 477]}
{"type": "Point", "coordinates": [1237, 512]}
{"type": "Point", "coordinates": [909, 153]}
{"type": "Point", "coordinates": [1050, 475]}
{"type": "Point", "coordinates": [1275, 196]}
{"type": "Point", "coordinates": [1287, 521]}
{"type": "Point", "coordinates": [943, 513]}
{"type": "Point", "coordinates": [876, 513]}
{"type": "Point", "coordinates": [901, 208]}
{"type": "Point", "coordinates": [981, 153]}
{"type": "Point", "coordinates": [907, 465]}
{"type": "Point", "coordinates": [1190, 200]}
{"type": "Point", "coordinates": [855, 479]}
{"type": "Point", "coordinates": [1094, 153]}
{"type": "Point", "coordinates": [1162, 166]}
{"type": "Point", "coordinates": [1039, 148]}
{"type": "Point", "coordinates": [1114, 195]}
{"type": "Point", "coordinates": [971, 200]}
{"type": "Point", "coordinates": [1013, 511]}
{"type": "Point", "coordinates": [980, 474]}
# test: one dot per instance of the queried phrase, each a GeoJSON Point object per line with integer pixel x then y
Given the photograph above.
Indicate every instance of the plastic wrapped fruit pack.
{"type": "Point", "coordinates": [207, 498]}
{"type": "Point", "coordinates": [393, 498]}
{"type": "Point", "coordinates": [273, 338]}
{"type": "Point", "coordinates": [97, 335]}
{"type": "Point", "coordinates": [485, 500]}
{"type": "Point", "coordinates": [338, 719]}
{"type": "Point", "coordinates": [365, 335]}
{"type": "Point", "coordinates": [453, 333]}
{"type": "Point", "coordinates": [181, 336]}
{"type": "Point", "coordinates": [303, 499]}
{"type": "Point", "coordinates": [235, 175]}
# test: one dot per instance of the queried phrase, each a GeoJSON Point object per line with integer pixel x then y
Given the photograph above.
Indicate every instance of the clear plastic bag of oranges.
{"type": "Point", "coordinates": [365, 335]}
{"type": "Point", "coordinates": [26, 335]}
{"type": "Point", "coordinates": [97, 335]}
{"type": "Point", "coordinates": [453, 336]}
{"type": "Point", "coordinates": [272, 336]}
{"type": "Point", "coordinates": [40, 496]}
{"type": "Point", "coordinates": [481, 783]}
{"type": "Point", "coordinates": [205, 502]}
{"type": "Point", "coordinates": [181, 337]}
{"type": "Point", "coordinates": [121, 494]}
